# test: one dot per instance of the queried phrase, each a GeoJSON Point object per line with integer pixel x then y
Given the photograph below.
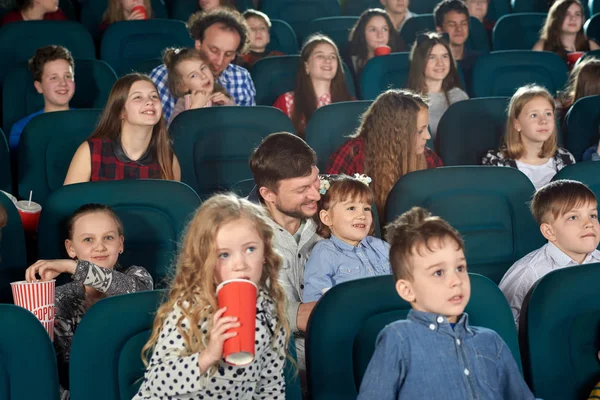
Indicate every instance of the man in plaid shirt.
{"type": "Point", "coordinates": [221, 34]}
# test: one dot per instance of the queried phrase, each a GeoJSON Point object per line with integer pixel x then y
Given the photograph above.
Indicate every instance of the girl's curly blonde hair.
{"type": "Point", "coordinates": [193, 287]}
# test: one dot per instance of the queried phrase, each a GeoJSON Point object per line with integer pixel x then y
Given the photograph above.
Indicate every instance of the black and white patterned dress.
{"type": "Point", "coordinates": [172, 375]}
{"type": "Point", "coordinates": [71, 304]}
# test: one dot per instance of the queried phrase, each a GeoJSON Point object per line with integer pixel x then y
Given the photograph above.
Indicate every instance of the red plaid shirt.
{"type": "Point", "coordinates": [108, 166]}
{"type": "Point", "coordinates": [350, 158]}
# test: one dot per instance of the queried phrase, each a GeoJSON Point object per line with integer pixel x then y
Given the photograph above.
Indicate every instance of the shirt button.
{"type": "Point", "coordinates": [302, 287]}
{"type": "Point", "coordinates": [458, 342]}
{"type": "Point", "coordinates": [299, 255]}
{"type": "Point", "coordinates": [440, 320]}
{"type": "Point", "coordinates": [432, 327]}
{"type": "Point", "coordinates": [466, 371]}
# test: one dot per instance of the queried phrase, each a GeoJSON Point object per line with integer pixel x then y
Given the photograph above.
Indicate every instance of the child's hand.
{"type": "Point", "coordinates": [218, 335]}
{"type": "Point", "coordinates": [199, 98]}
{"type": "Point", "coordinates": [49, 269]}
{"type": "Point", "coordinates": [136, 15]}
{"type": "Point", "coordinates": [221, 99]}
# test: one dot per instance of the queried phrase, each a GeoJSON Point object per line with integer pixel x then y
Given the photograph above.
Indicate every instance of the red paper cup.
{"type": "Point", "coordinates": [141, 9]}
{"type": "Point", "coordinates": [574, 57]}
{"type": "Point", "coordinates": [239, 296]}
{"type": "Point", "coordinates": [37, 297]}
{"type": "Point", "coordinates": [30, 215]}
{"type": "Point", "coordinates": [382, 50]}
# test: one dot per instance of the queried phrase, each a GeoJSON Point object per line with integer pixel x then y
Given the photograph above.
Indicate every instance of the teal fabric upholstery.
{"type": "Point", "coordinates": [273, 76]}
{"type": "Point", "coordinates": [336, 362]}
{"type": "Point", "coordinates": [518, 31]}
{"type": "Point", "coordinates": [592, 28]}
{"type": "Point", "coordinates": [101, 353]}
{"type": "Point", "coordinates": [498, 8]}
{"type": "Point", "coordinates": [283, 37]}
{"type": "Point", "coordinates": [298, 13]}
{"type": "Point", "coordinates": [330, 126]}
{"type": "Point", "coordinates": [146, 66]}
{"type": "Point", "coordinates": [521, 6]}
{"type": "Point", "coordinates": [501, 73]}
{"type": "Point", "coordinates": [19, 41]}
{"type": "Point", "coordinates": [47, 146]}
{"type": "Point", "coordinates": [460, 143]}
{"type": "Point", "coordinates": [213, 145]}
{"type": "Point", "coordinates": [583, 120]}
{"type": "Point", "coordinates": [93, 81]}
{"type": "Point", "coordinates": [28, 363]}
{"type": "Point", "coordinates": [5, 171]}
{"type": "Point", "coordinates": [493, 219]}
{"type": "Point", "coordinates": [13, 254]}
{"type": "Point", "coordinates": [559, 334]}
{"type": "Point", "coordinates": [587, 172]}
{"type": "Point", "coordinates": [356, 7]}
{"type": "Point", "coordinates": [183, 9]}
{"type": "Point", "coordinates": [125, 44]}
{"type": "Point", "coordinates": [382, 73]}
{"type": "Point", "coordinates": [337, 28]}
{"type": "Point", "coordinates": [415, 25]}
{"type": "Point", "coordinates": [154, 213]}
{"type": "Point", "coordinates": [593, 7]}
{"type": "Point", "coordinates": [93, 11]}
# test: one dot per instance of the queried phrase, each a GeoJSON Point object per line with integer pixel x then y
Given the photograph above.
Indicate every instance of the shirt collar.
{"type": "Point", "coordinates": [145, 159]}
{"type": "Point", "coordinates": [227, 74]}
{"type": "Point", "coordinates": [437, 322]}
{"type": "Point", "coordinates": [345, 246]}
{"type": "Point", "coordinates": [563, 260]}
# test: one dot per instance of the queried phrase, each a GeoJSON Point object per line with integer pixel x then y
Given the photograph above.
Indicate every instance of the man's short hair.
{"type": "Point", "coordinates": [251, 13]}
{"type": "Point", "coordinates": [444, 7]}
{"type": "Point", "coordinates": [281, 156]}
{"type": "Point", "coordinates": [412, 230]}
{"type": "Point", "coordinates": [46, 54]}
{"type": "Point", "coordinates": [558, 198]}
{"type": "Point", "coordinates": [232, 20]}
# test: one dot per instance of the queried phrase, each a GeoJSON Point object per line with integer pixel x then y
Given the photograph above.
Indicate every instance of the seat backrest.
{"type": "Point", "coordinates": [336, 362]}
{"type": "Point", "coordinates": [19, 41]}
{"type": "Point", "coordinates": [587, 172]}
{"type": "Point", "coordinates": [416, 25]}
{"type": "Point", "coordinates": [592, 28]}
{"type": "Point", "coordinates": [127, 43]}
{"type": "Point", "coordinates": [28, 363]}
{"type": "Point", "coordinates": [47, 146]}
{"type": "Point", "coordinates": [13, 255]}
{"type": "Point", "coordinates": [101, 353]}
{"type": "Point", "coordinates": [522, 6]}
{"type": "Point", "coordinates": [337, 28]}
{"type": "Point", "coordinates": [298, 13]}
{"type": "Point", "coordinates": [460, 143]}
{"type": "Point", "coordinates": [93, 11]}
{"type": "Point", "coordinates": [560, 338]}
{"type": "Point", "coordinates": [494, 219]}
{"type": "Point", "coordinates": [356, 7]}
{"type": "Point", "coordinates": [583, 120]}
{"type": "Point", "coordinates": [273, 76]}
{"type": "Point", "coordinates": [518, 31]}
{"type": "Point", "coordinates": [153, 221]}
{"type": "Point", "coordinates": [479, 38]}
{"type": "Point", "coordinates": [183, 9]}
{"type": "Point", "coordinates": [94, 80]}
{"type": "Point", "coordinates": [5, 161]}
{"type": "Point", "coordinates": [498, 8]}
{"type": "Point", "coordinates": [213, 145]}
{"type": "Point", "coordinates": [330, 126]}
{"type": "Point", "coordinates": [283, 37]}
{"type": "Point", "coordinates": [501, 73]}
{"type": "Point", "coordinates": [382, 73]}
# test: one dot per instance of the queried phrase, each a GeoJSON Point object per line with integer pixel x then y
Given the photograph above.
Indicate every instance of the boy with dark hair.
{"type": "Point", "coordinates": [222, 34]}
{"type": "Point", "coordinates": [53, 71]}
{"type": "Point", "coordinates": [452, 17]}
{"type": "Point", "coordinates": [259, 25]}
{"type": "Point", "coordinates": [435, 350]}
{"type": "Point", "coordinates": [567, 212]}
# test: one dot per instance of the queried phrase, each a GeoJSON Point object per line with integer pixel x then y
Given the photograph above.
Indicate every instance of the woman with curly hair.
{"type": "Point", "coordinates": [389, 143]}
{"type": "Point", "coordinates": [563, 31]}
{"type": "Point", "coordinates": [319, 82]}
{"type": "Point", "coordinates": [374, 28]}
{"type": "Point", "coordinates": [228, 238]}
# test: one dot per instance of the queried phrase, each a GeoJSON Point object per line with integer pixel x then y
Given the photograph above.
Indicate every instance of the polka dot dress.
{"type": "Point", "coordinates": [172, 376]}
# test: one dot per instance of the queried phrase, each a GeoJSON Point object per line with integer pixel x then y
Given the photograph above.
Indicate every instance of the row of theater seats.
{"type": "Point", "coordinates": [213, 144]}
{"type": "Point", "coordinates": [556, 347]}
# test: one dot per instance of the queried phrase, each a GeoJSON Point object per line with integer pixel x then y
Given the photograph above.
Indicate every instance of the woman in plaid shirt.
{"type": "Point", "coordinates": [390, 142]}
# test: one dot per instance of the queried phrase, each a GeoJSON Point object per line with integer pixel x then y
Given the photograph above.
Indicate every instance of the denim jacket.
{"type": "Point", "coordinates": [423, 357]}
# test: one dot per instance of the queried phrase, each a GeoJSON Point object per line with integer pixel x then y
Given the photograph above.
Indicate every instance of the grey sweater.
{"type": "Point", "coordinates": [438, 104]}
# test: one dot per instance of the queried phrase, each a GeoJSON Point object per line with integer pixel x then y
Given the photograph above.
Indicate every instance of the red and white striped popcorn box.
{"type": "Point", "coordinates": [37, 297]}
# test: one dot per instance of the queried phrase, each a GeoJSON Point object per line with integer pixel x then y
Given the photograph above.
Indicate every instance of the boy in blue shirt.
{"type": "Point", "coordinates": [435, 353]}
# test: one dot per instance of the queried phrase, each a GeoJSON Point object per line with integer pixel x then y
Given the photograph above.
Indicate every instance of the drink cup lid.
{"type": "Point", "coordinates": [24, 205]}
{"type": "Point", "coordinates": [235, 280]}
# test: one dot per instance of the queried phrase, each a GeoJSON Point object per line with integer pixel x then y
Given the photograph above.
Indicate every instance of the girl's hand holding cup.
{"type": "Point", "coordinates": [217, 336]}
{"type": "Point", "coordinates": [49, 269]}
{"type": "Point", "coordinates": [138, 13]}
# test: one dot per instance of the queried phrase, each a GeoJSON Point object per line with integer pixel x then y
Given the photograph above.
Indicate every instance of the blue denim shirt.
{"type": "Point", "coordinates": [422, 357]}
{"type": "Point", "coordinates": [334, 261]}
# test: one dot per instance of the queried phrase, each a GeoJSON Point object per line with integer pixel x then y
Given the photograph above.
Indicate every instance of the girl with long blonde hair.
{"type": "Point", "coordinates": [389, 143]}
{"type": "Point", "coordinates": [531, 137]}
{"type": "Point", "coordinates": [228, 238]}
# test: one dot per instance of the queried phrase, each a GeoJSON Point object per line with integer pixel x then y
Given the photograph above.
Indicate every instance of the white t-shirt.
{"type": "Point", "coordinates": [539, 175]}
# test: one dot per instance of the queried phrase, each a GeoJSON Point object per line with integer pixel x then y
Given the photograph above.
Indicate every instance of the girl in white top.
{"type": "Point", "coordinates": [530, 141]}
{"type": "Point", "coordinates": [228, 238]}
{"type": "Point", "coordinates": [433, 73]}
